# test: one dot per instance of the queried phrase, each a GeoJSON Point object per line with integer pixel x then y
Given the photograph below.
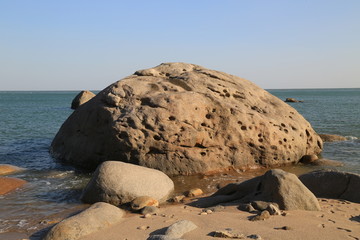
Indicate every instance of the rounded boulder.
{"type": "Point", "coordinates": [118, 183]}
{"type": "Point", "coordinates": [184, 119]}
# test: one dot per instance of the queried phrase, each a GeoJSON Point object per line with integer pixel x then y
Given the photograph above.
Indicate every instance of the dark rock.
{"type": "Point", "coordinates": [292, 100]}
{"type": "Point", "coordinates": [333, 184]}
{"type": "Point", "coordinates": [332, 138]}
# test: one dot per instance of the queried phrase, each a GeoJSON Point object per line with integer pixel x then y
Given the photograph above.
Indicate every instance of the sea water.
{"type": "Point", "coordinates": [30, 120]}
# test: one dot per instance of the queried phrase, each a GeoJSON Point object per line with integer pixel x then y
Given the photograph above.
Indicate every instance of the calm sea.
{"type": "Point", "coordinates": [30, 120]}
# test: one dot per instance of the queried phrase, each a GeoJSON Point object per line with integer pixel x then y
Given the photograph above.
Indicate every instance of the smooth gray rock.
{"type": "Point", "coordinates": [118, 183]}
{"type": "Point", "coordinates": [97, 217]}
{"type": "Point", "coordinates": [286, 190]}
{"type": "Point", "coordinates": [150, 210]}
{"type": "Point", "coordinates": [178, 229]}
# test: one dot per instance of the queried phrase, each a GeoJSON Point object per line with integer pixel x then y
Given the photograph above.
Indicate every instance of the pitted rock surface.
{"type": "Point", "coordinates": [184, 119]}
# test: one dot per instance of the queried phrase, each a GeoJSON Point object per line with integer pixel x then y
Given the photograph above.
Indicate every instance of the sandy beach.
{"type": "Point", "coordinates": [337, 220]}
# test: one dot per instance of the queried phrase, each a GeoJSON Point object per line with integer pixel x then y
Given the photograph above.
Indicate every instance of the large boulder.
{"type": "Point", "coordinates": [333, 184]}
{"type": "Point", "coordinates": [185, 119]}
{"type": "Point", "coordinates": [275, 186]}
{"type": "Point", "coordinates": [118, 183]}
{"type": "Point", "coordinates": [9, 184]}
{"type": "Point", "coordinates": [81, 98]}
{"type": "Point", "coordinates": [97, 217]}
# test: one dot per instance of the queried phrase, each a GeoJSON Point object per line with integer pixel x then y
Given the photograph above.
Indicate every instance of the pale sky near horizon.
{"type": "Point", "coordinates": [84, 44]}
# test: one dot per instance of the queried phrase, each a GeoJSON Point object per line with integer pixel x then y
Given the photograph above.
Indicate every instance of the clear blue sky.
{"type": "Point", "coordinates": [84, 44]}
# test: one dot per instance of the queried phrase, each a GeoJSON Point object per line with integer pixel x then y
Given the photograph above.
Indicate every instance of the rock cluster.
{"type": "Point", "coordinates": [183, 119]}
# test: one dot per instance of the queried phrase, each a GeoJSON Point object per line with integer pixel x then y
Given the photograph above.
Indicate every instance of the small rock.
{"type": "Point", "coordinates": [292, 100]}
{"type": "Point", "coordinates": [246, 207]}
{"type": "Point", "coordinates": [228, 233]}
{"type": "Point", "coordinates": [332, 138]}
{"type": "Point", "coordinates": [143, 227]}
{"type": "Point", "coordinates": [217, 208]}
{"type": "Point", "coordinates": [81, 98]}
{"type": "Point", "coordinates": [162, 237]}
{"type": "Point", "coordinates": [203, 213]}
{"type": "Point", "coordinates": [309, 158]}
{"type": "Point", "coordinates": [209, 211]}
{"type": "Point", "coordinates": [194, 192]}
{"type": "Point", "coordinates": [178, 229]}
{"type": "Point", "coordinates": [254, 236]}
{"type": "Point", "coordinates": [178, 198]}
{"type": "Point", "coordinates": [273, 209]}
{"type": "Point", "coordinates": [143, 201]}
{"type": "Point", "coordinates": [261, 205]}
{"type": "Point", "coordinates": [262, 216]}
{"type": "Point", "coordinates": [150, 210]}
{"type": "Point", "coordinates": [148, 215]}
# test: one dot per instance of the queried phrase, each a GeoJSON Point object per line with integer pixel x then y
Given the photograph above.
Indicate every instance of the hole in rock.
{"type": "Point", "coordinates": [243, 128]}
{"type": "Point", "coordinates": [203, 153]}
{"type": "Point", "coordinates": [157, 137]}
{"type": "Point", "coordinates": [172, 118]}
{"type": "Point", "coordinates": [208, 116]}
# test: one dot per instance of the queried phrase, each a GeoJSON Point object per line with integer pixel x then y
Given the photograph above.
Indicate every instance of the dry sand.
{"type": "Point", "coordinates": [337, 220]}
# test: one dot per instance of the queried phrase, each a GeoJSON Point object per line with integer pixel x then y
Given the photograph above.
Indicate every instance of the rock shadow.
{"type": "Point", "coordinates": [355, 218]}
